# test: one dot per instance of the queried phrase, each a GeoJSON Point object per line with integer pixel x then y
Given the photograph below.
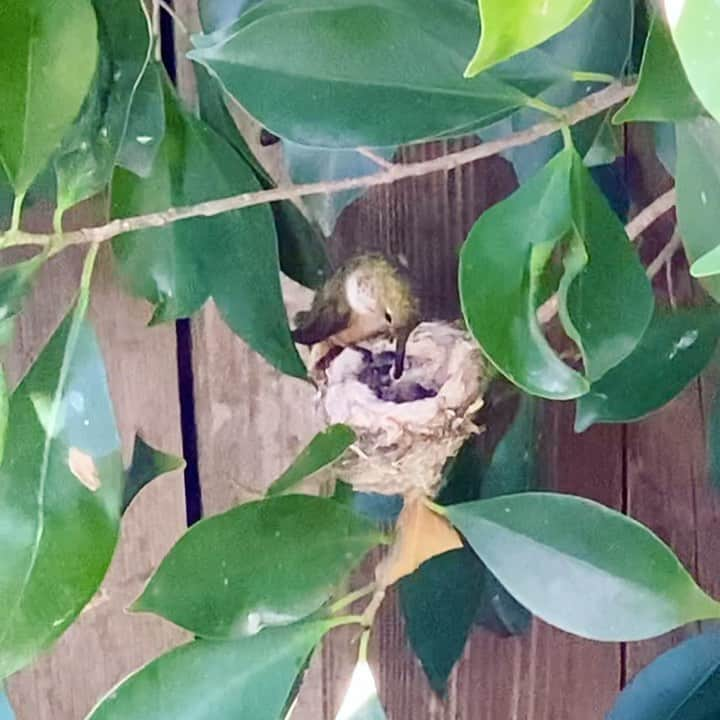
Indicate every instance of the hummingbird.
{"type": "Point", "coordinates": [365, 298]}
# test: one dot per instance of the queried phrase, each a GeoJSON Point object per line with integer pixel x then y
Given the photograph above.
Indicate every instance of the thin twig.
{"type": "Point", "coordinates": [665, 255]}
{"type": "Point", "coordinates": [641, 222]}
{"type": "Point", "coordinates": [650, 214]}
{"type": "Point", "coordinates": [377, 159]}
{"type": "Point", "coordinates": [588, 107]}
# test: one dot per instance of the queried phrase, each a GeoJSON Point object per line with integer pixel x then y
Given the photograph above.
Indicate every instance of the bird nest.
{"type": "Point", "coordinates": [407, 428]}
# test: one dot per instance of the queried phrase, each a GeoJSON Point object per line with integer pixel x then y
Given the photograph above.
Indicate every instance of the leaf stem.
{"type": "Point", "coordinates": [581, 76]}
{"type": "Point", "coordinates": [344, 620]}
{"type": "Point", "coordinates": [86, 278]}
{"type": "Point", "coordinates": [16, 212]}
{"type": "Point", "coordinates": [352, 597]}
{"type": "Point", "coordinates": [438, 509]}
{"type": "Point", "coordinates": [157, 42]}
{"type": "Point", "coordinates": [57, 220]}
{"type": "Point", "coordinates": [567, 137]}
{"type": "Point", "coordinates": [538, 104]}
{"type": "Point", "coordinates": [363, 648]}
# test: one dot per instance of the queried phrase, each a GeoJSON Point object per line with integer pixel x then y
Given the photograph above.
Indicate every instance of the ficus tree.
{"type": "Point", "coordinates": [88, 111]}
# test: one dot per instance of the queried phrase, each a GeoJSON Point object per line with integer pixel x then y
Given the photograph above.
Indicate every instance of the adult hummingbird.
{"type": "Point", "coordinates": [365, 298]}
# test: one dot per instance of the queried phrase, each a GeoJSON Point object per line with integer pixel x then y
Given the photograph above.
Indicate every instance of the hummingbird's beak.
{"type": "Point", "coordinates": [400, 345]}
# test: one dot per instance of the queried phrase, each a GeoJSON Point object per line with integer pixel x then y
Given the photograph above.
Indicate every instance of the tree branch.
{"type": "Point", "coordinates": [582, 110]}
{"type": "Point", "coordinates": [641, 222]}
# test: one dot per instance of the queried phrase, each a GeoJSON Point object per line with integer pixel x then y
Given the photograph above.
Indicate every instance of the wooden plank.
{"type": "Point", "coordinates": [106, 643]}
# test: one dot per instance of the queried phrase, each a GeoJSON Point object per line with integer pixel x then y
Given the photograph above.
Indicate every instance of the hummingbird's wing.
{"type": "Point", "coordinates": [320, 323]}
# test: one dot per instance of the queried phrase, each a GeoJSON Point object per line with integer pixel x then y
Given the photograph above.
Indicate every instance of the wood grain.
{"type": "Point", "coordinates": [107, 643]}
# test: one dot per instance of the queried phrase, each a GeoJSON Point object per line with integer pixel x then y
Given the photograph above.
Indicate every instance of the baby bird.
{"type": "Point", "coordinates": [365, 298]}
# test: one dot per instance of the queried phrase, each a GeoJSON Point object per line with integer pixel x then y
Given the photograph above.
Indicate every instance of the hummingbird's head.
{"type": "Point", "coordinates": [402, 314]}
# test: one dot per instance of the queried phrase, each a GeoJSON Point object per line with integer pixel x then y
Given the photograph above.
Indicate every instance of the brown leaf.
{"type": "Point", "coordinates": [83, 467]}
{"type": "Point", "coordinates": [422, 534]}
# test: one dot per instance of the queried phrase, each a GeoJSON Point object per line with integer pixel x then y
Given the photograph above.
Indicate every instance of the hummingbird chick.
{"type": "Point", "coordinates": [365, 298]}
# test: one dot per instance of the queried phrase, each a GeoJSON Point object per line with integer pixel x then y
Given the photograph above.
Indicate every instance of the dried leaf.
{"type": "Point", "coordinates": [83, 467]}
{"type": "Point", "coordinates": [422, 534]}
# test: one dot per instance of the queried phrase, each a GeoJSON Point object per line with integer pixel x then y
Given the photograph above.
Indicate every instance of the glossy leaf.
{"type": "Point", "coordinates": [675, 349]}
{"type": "Point", "coordinates": [508, 29]}
{"type": "Point", "coordinates": [47, 60]}
{"type": "Point", "coordinates": [246, 679]}
{"type": "Point", "coordinates": [145, 128]}
{"type": "Point", "coordinates": [232, 256]}
{"type": "Point", "coordinates": [663, 92]}
{"type": "Point", "coordinates": [707, 264]}
{"type": "Point", "coordinates": [390, 55]}
{"type": "Point", "coordinates": [313, 164]}
{"type": "Point", "coordinates": [147, 464]}
{"type": "Point", "coordinates": [218, 14]}
{"type": "Point", "coordinates": [693, 25]}
{"type": "Point", "coordinates": [303, 256]}
{"type": "Point", "coordinates": [324, 449]}
{"type": "Point", "coordinates": [61, 483]}
{"type": "Point", "coordinates": [440, 602]}
{"type": "Point", "coordinates": [361, 701]}
{"type": "Point", "coordinates": [84, 163]}
{"type": "Point", "coordinates": [610, 24]}
{"type": "Point", "coordinates": [582, 567]}
{"type": "Point", "coordinates": [270, 562]}
{"type": "Point", "coordinates": [15, 283]}
{"type": "Point", "coordinates": [682, 684]}
{"type": "Point", "coordinates": [606, 300]}
{"type": "Point", "coordinates": [499, 266]}
{"type": "Point", "coordinates": [698, 191]}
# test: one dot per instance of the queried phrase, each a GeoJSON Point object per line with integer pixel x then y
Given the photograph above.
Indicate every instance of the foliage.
{"type": "Point", "coordinates": [90, 112]}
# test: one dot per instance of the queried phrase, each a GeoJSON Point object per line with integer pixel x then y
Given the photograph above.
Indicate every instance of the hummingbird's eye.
{"type": "Point", "coordinates": [388, 317]}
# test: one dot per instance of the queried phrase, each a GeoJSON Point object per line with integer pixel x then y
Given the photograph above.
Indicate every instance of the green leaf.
{"type": "Point", "coordinates": [675, 349]}
{"type": "Point", "coordinates": [303, 256]}
{"type": "Point", "coordinates": [582, 567]}
{"type": "Point", "coordinates": [508, 29]}
{"type": "Point", "coordinates": [15, 283]}
{"type": "Point", "coordinates": [663, 92]}
{"type": "Point", "coordinates": [218, 14]}
{"type": "Point", "coordinates": [610, 23]}
{"type": "Point", "coordinates": [247, 679]}
{"type": "Point", "coordinates": [361, 701]}
{"type": "Point", "coordinates": [313, 164]}
{"type": "Point", "coordinates": [145, 128]}
{"type": "Point", "coordinates": [698, 191]}
{"type": "Point", "coordinates": [606, 300]}
{"type": "Point", "coordinates": [440, 602]}
{"type": "Point", "coordinates": [682, 684]}
{"type": "Point", "coordinates": [84, 163]}
{"type": "Point", "coordinates": [147, 464]}
{"type": "Point", "coordinates": [47, 61]}
{"type": "Point", "coordinates": [693, 26]}
{"type": "Point", "coordinates": [707, 264]}
{"type": "Point", "coordinates": [232, 256]}
{"type": "Point", "coordinates": [324, 449]}
{"type": "Point", "coordinates": [61, 484]}
{"type": "Point", "coordinates": [270, 562]}
{"type": "Point", "coordinates": [390, 55]}
{"type": "Point", "coordinates": [499, 266]}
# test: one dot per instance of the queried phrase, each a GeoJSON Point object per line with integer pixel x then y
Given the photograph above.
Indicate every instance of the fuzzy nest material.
{"type": "Point", "coordinates": [407, 428]}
